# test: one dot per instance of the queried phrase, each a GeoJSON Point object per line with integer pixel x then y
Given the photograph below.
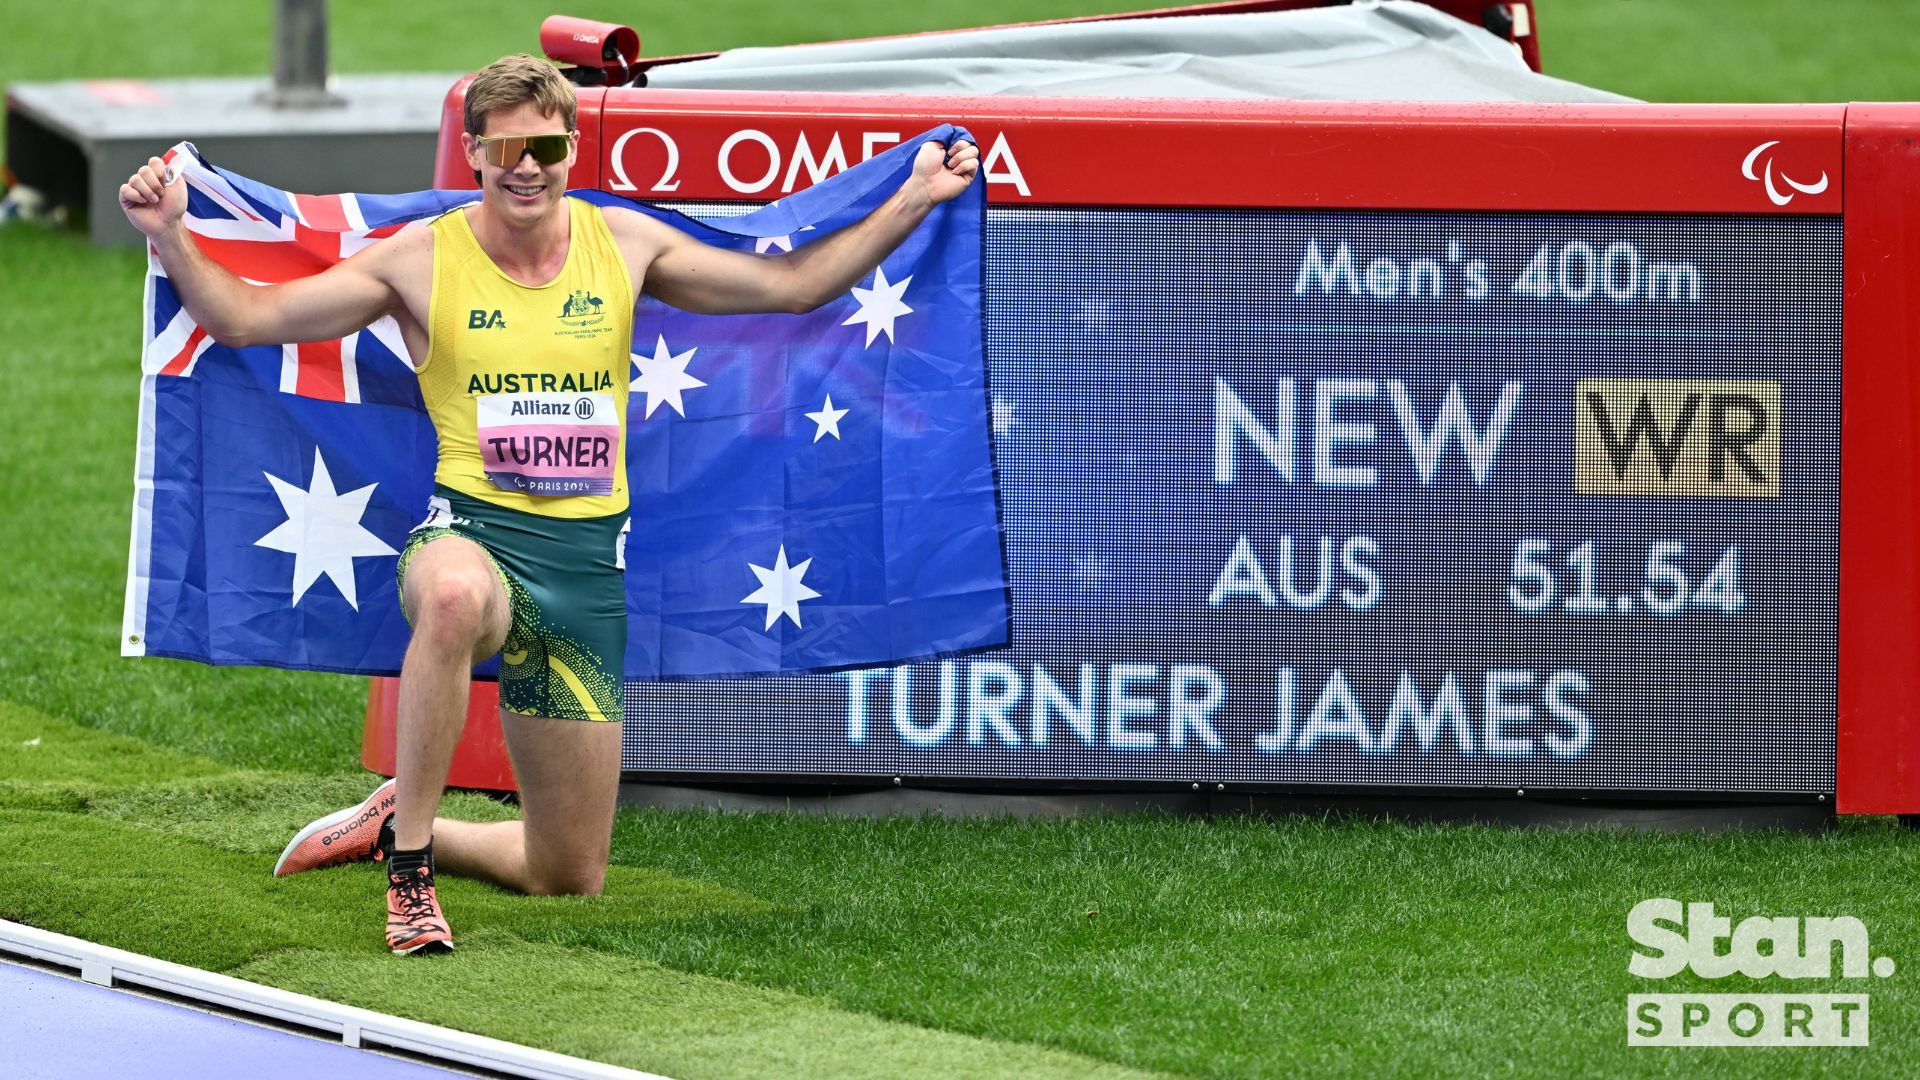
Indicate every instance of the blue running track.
{"type": "Point", "coordinates": [53, 1027]}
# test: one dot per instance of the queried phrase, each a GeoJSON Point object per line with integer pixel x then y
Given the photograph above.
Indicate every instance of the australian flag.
{"type": "Point", "coordinates": [809, 491]}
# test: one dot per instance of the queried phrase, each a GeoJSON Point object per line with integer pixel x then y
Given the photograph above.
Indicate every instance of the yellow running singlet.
{"type": "Point", "coordinates": [527, 385]}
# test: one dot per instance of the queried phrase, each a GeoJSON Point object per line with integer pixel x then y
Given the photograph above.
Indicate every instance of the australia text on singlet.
{"type": "Point", "coordinates": [527, 385]}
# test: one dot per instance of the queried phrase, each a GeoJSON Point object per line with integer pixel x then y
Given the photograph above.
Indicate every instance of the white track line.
{"type": "Point", "coordinates": [355, 1027]}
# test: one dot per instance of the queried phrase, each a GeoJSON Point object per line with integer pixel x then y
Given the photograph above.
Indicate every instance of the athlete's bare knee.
{"type": "Point", "coordinates": [579, 880]}
{"type": "Point", "coordinates": [453, 607]}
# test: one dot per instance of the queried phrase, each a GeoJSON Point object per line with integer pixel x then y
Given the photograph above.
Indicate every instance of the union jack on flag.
{"type": "Point", "coordinates": [268, 236]}
{"type": "Point", "coordinates": [809, 492]}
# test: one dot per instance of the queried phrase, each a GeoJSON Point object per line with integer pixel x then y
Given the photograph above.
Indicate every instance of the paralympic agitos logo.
{"type": "Point", "coordinates": [1762, 156]}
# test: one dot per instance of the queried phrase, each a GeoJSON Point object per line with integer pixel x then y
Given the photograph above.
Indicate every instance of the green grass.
{"type": "Point", "coordinates": [623, 1009]}
{"type": "Point", "coordinates": [142, 802]}
{"type": "Point", "coordinates": [741, 945]}
{"type": "Point", "coordinates": [70, 363]}
{"type": "Point", "coordinates": [1241, 947]}
{"type": "Point", "coordinates": [96, 39]}
{"type": "Point", "coordinates": [1734, 50]}
{"type": "Point", "coordinates": [1663, 50]}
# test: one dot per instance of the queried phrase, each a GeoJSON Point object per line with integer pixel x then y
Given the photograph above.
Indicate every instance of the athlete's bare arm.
{"type": "Point", "coordinates": [697, 277]}
{"type": "Point", "coordinates": [379, 280]}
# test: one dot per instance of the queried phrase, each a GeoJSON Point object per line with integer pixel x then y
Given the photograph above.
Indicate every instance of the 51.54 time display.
{"type": "Point", "coordinates": [1664, 586]}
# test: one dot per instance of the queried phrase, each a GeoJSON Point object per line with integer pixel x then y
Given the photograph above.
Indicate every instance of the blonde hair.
{"type": "Point", "coordinates": [512, 81]}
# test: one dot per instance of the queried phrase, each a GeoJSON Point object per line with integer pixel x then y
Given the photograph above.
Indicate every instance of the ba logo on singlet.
{"type": "Point", "coordinates": [482, 319]}
{"type": "Point", "coordinates": [582, 309]}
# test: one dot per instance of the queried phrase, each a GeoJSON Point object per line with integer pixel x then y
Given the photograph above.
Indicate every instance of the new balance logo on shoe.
{"type": "Point", "coordinates": [366, 815]}
{"type": "Point", "coordinates": [355, 834]}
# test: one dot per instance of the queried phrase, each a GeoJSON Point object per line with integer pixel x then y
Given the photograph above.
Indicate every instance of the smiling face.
{"type": "Point", "coordinates": [526, 192]}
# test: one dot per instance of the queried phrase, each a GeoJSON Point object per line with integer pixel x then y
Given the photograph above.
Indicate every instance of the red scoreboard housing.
{"type": "Point", "coordinates": [1859, 163]}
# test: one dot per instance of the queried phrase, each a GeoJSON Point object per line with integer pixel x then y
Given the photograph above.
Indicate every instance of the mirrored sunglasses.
{"type": "Point", "coordinates": [504, 151]}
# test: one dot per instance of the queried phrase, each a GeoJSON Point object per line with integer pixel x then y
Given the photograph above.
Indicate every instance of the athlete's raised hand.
{"type": "Point", "coordinates": [946, 170]}
{"type": "Point", "coordinates": [153, 198]}
{"type": "Point", "coordinates": [697, 277]}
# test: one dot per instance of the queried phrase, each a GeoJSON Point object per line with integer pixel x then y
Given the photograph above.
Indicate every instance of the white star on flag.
{"type": "Point", "coordinates": [322, 531]}
{"type": "Point", "coordinates": [764, 244]}
{"type": "Point", "coordinates": [827, 420]}
{"type": "Point", "coordinates": [780, 589]}
{"type": "Point", "coordinates": [663, 376]}
{"type": "Point", "coordinates": [880, 305]}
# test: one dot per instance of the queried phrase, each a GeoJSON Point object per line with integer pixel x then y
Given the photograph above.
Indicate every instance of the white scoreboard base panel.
{"type": "Point", "coordinates": [77, 141]}
{"type": "Point", "coordinates": [889, 801]}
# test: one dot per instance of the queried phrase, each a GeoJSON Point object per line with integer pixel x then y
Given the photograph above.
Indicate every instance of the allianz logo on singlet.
{"type": "Point", "coordinates": [540, 382]}
{"type": "Point", "coordinates": [583, 408]}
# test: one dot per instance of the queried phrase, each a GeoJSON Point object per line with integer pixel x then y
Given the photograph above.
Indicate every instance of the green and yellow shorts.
{"type": "Point", "coordinates": [566, 647]}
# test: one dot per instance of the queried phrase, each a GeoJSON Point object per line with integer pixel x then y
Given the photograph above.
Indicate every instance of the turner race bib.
{"type": "Point", "coordinates": [549, 443]}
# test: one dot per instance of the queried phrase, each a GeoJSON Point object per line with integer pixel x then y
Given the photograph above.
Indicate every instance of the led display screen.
{"type": "Point", "coordinates": [1366, 498]}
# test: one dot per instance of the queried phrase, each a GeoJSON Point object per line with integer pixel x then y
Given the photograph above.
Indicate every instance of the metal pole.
{"type": "Point", "coordinates": [300, 56]}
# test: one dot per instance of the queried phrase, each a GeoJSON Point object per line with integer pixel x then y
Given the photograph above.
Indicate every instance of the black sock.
{"type": "Point", "coordinates": [399, 862]}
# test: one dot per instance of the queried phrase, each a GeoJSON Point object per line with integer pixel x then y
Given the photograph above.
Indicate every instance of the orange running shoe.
{"type": "Point", "coordinates": [360, 833]}
{"type": "Point", "coordinates": [414, 922]}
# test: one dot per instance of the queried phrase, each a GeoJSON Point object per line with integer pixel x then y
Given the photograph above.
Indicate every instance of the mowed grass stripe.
{"type": "Point", "coordinates": [633, 1012]}
{"type": "Point", "coordinates": [37, 750]}
{"type": "Point", "coordinates": [146, 890]}
{"type": "Point", "coordinates": [1220, 948]}
{"type": "Point", "coordinates": [170, 854]}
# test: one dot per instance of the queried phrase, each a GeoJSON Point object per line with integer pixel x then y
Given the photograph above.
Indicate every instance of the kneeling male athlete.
{"type": "Point", "coordinates": [513, 558]}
